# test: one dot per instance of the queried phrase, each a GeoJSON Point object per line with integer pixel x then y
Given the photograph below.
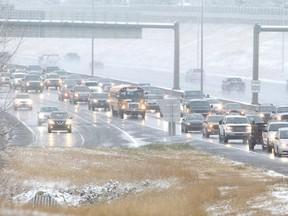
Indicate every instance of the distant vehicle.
{"type": "Point", "coordinates": [193, 75]}
{"type": "Point", "coordinates": [280, 113]}
{"type": "Point", "coordinates": [233, 84]}
{"type": "Point", "coordinates": [211, 125]}
{"type": "Point", "coordinates": [196, 106]}
{"type": "Point", "coordinates": [98, 100]}
{"type": "Point", "coordinates": [52, 80]}
{"type": "Point", "coordinates": [49, 60]}
{"type": "Point", "coordinates": [51, 69]}
{"type": "Point", "coordinates": [232, 108]}
{"type": "Point", "coordinates": [77, 77]}
{"type": "Point", "coordinates": [269, 134]}
{"type": "Point", "coordinates": [23, 100]}
{"type": "Point", "coordinates": [59, 120]}
{"type": "Point", "coordinates": [63, 93]}
{"type": "Point", "coordinates": [215, 104]}
{"type": "Point", "coordinates": [97, 64]}
{"type": "Point", "coordinates": [281, 140]}
{"type": "Point", "coordinates": [79, 93]}
{"type": "Point", "coordinates": [144, 84]}
{"type": "Point", "coordinates": [257, 126]}
{"type": "Point", "coordinates": [265, 111]}
{"type": "Point", "coordinates": [106, 84]}
{"type": "Point", "coordinates": [62, 73]}
{"type": "Point", "coordinates": [92, 85]}
{"type": "Point", "coordinates": [127, 99]}
{"type": "Point", "coordinates": [69, 83]}
{"type": "Point", "coordinates": [193, 94]}
{"type": "Point", "coordinates": [16, 80]}
{"type": "Point", "coordinates": [234, 127]}
{"type": "Point", "coordinates": [34, 68]}
{"type": "Point", "coordinates": [72, 57]}
{"type": "Point", "coordinates": [192, 122]}
{"type": "Point", "coordinates": [151, 101]}
{"type": "Point", "coordinates": [5, 78]}
{"type": "Point", "coordinates": [32, 82]}
{"type": "Point", "coordinates": [45, 113]}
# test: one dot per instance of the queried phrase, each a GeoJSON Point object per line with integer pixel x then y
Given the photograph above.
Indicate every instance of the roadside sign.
{"type": "Point", "coordinates": [170, 109]}
{"type": "Point", "coordinates": [255, 86]}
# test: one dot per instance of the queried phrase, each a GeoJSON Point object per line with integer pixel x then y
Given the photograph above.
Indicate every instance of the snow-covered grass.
{"type": "Point", "coordinates": [149, 180]}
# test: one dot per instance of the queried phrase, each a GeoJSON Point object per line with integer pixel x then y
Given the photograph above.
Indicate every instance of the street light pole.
{"type": "Point", "coordinates": [201, 49]}
{"type": "Point", "coordinates": [92, 57]}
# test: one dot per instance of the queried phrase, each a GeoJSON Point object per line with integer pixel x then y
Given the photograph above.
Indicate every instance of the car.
{"type": "Point", "coordinates": [92, 85]}
{"type": "Point", "coordinates": [16, 80]}
{"type": "Point", "coordinates": [32, 82]}
{"type": "Point", "coordinates": [23, 100]}
{"type": "Point", "coordinates": [62, 74]}
{"type": "Point", "coordinates": [234, 127]}
{"type": "Point", "coordinates": [77, 77]}
{"type": "Point", "coordinates": [193, 75]}
{"type": "Point", "coordinates": [280, 113]}
{"type": "Point", "coordinates": [5, 78]}
{"type": "Point", "coordinates": [192, 94]}
{"type": "Point", "coordinates": [44, 114]}
{"type": "Point", "coordinates": [52, 80]}
{"type": "Point", "coordinates": [257, 126]}
{"type": "Point", "coordinates": [151, 102]}
{"type": "Point", "coordinates": [97, 64]}
{"type": "Point", "coordinates": [281, 142]}
{"type": "Point", "coordinates": [192, 122]}
{"type": "Point", "coordinates": [211, 125]}
{"type": "Point", "coordinates": [232, 108]}
{"type": "Point", "coordinates": [98, 100]}
{"type": "Point", "coordinates": [59, 120]}
{"type": "Point", "coordinates": [51, 69]}
{"type": "Point", "coordinates": [105, 83]}
{"type": "Point", "coordinates": [34, 68]}
{"type": "Point", "coordinates": [269, 133]}
{"type": "Point", "coordinates": [69, 83]}
{"type": "Point", "coordinates": [63, 93]}
{"type": "Point", "coordinates": [215, 104]}
{"type": "Point", "coordinates": [265, 111]}
{"type": "Point", "coordinates": [72, 57]}
{"type": "Point", "coordinates": [196, 106]}
{"type": "Point", "coordinates": [79, 93]}
{"type": "Point", "coordinates": [233, 84]}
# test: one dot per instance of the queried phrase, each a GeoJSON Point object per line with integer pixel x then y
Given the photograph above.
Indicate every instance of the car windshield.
{"type": "Point", "coordinates": [214, 101]}
{"type": "Point", "coordinates": [5, 74]}
{"type": "Point", "coordinates": [17, 76]}
{"type": "Point", "coordinates": [232, 106]}
{"type": "Point", "coordinates": [284, 134]}
{"type": "Point", "coordinates": [91, 84]}
{"type": "Point", "coordinates": [194, 94]}
{"type": "Point", "coordinates": [237, 120]}
{"type": "Point", "coordinates": [53, 76]}
{"type": "Point", "coordinates": [275, 127]}
{"type": "Point", "coordinates": [75, 76]}
{"type": "Point", "coordinates": [48, 109]}
{"type": "Point", "coordinates": [194, 117]}
{"type": "Point", "coordinates": [234, 80]}
{"type": "Point", "coordinates": [23, 96]}
{"type": "Point", "coordinates": [59, 115]}
{"type": "Point", "coordinates": [214, 118]}
{"type": "Point", "coordinates": [33, 77]}
{"type": "Point", "coordinates": [153, 97]}
{"type": "Point", "coordinates": [282, 109]}
{"type": "Point", "coordinates": [100, 96]}
{"type": "Point", "coordinates": [82, 89]}
{"type": "Point", "coordinates": [34, 67]}
{"type": "Point", "coordinates": [256, 119]}
{"type": "Point", "coordinates": [70, 81]}
{"type": "Point", "coordinates": [199, 104]}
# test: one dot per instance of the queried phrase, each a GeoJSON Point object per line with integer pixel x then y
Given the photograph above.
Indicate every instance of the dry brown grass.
{"type": "Point", "coordinates": [196, 179]}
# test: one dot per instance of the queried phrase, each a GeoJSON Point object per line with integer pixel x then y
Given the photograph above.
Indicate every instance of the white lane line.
{"type": "Point", "coordinates": [30, 129]}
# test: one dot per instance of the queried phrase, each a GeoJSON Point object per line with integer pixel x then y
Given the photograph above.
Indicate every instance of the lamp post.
{"type": "Point", "coordinates": [285, 5]}
{"type": "Point", "coordinates": [92, 57]}
{"type": "Point", "coordinates": [201, 48]}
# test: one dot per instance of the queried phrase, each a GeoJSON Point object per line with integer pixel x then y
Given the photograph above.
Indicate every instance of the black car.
{"type": "Point", "coordinates": [192, 122]}
{"type": "Point", "coordinates": [265, 110]}
{"type": "Point", "coordinates": [257, 127]}
{"type": "Point", "coordinates": [196, 106]}
{"type": "Point", "coordinates": [233, 84]}
{"type": "Point", "coordinates": [211, 125]}
{"type": "Point", "coordinates": [59, 120]}
{"type": "Point", "coordinates": [63, 93]}
{"type": "Point", "coordinates": [98, 100]}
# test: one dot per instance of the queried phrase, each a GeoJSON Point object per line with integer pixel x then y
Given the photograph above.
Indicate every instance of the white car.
{"type": "Point", "coordinates": [92, 85]}
{"type": "Point", "coordinates": [23, 100]}
{"type": "Point", "coordinates": [45, 113]}
{"type": "Point", "coordinates": [281, 142]}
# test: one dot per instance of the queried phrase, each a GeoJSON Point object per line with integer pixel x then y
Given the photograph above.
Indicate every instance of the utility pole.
{"type": "Point", "coordinates": [202, 77]}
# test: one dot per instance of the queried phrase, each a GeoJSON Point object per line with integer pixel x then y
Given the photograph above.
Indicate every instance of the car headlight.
{"type": "Point", "coordinates": [271, 137]}
{"type": "Point", "coordinates": [229, 128]}
{"type": "Point", "coordinates": [278, 118]}
{"type": "Point", "coordinates": [248, 129]}
{"type": "Point", "coordinates": [69, 122]}
{"type": "Point", "coordinates": [41, 84]}
{"type": "Point", "coordinates": [95, 101]}
{"type": "Point", "coordinates": [261, 115]}
{"type": "Point", "coordinates": [143, 107]}
{"type": "Point", "coordinates": [17, 102]}
{"type": "Point", "coordinates": [123, 106]}
{"type": "Point", "coordinates": [210, 126]}
{"type": "Point", "coordinates": [76, 95]}
{"type": "Point", "coordinates": [51, 122]}
{"type": "Point", "coordinates": [41, 116]}
{"type": "Point", "coordinates": [27, 84]}
{"type": "Point", "coordinates": [242, 113]}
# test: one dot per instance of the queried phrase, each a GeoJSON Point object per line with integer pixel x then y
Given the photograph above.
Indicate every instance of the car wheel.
{"type": "Point", "coordinates": [245, 141]}
{"type": "Point", "coordinates": [143, 116]}
{"type": "Point", "coordinates": [185, 129]}
{"type": "Point", "coordinates": [269, 148]}
{"type": "Point", "coordinates": [220, 138]}
{"type": "Point", "coordinates": [49, 130]}
{"type": "Point", "coordinates": [225, 139]}
{"type": "Point", "coordinates": [69, 130]}
{"type": "Point", "coordinates": [121, 114]}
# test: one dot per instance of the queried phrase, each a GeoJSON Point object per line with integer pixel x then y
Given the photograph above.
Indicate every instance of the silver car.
{"type": "Point", "coordinates": [45, 113]}
{"type": "Point", "coordinates": [281, 142]}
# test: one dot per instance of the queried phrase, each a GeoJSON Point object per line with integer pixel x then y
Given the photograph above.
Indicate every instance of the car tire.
{"type": "Point", "coordinates": [143, 116]}
{"type": "Point", "coordinates": [49, 130]}
{"type": "Point", "coordinates": [225, 139]}
{"type": "Point", "coordinates": [269, 148]}
{"type": "Point", "coordinates": [69, 130]}
{"type": "Point", "coordinates": [185, 129]}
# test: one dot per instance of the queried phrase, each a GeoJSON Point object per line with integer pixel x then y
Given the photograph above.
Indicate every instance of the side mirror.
{"type": "Point", "coordinates": [211, 106]}
{"type": "Point", "coordinates": [220, 122]}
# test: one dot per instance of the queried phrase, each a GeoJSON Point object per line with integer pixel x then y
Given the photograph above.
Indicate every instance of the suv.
{"type": "Point", "coordinates": [193, 74]}
{"type": "Point", "coordinates": [32, 82]}
{"type": "Point", "coordinates": [16, 80]}
{"type": "Point", "coordinates": [5, 78]}
{"type": "Point", "coordinates": [191, 94]}
{"type": "Point", "coordinates": [23, 100]}
{"type": "Point", "coordinates": [233, 84]}
{"type": "Point", "coordinates": [265, 110]}
{"type": "Point", "coordinates": [79, 94]}
{"type": "Point", "coordinates": [211, 125]}
{"type": "Point", "coordinates": [234, 127]}
{"type": "Point", "coordinates": [98, 100]}
{"type": "Point", "coordinates": [281, 113]}
{"type": "Point", "coordinates": [52, 80]}
{"type": "Point", "coordinates": [197, 106]}
{"type": "Point", "coordinates": [151, 102]}
{"type": "Point", "coordinates": [269, 134]}
{"type": "Point", "coordinates": [59, 120]}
